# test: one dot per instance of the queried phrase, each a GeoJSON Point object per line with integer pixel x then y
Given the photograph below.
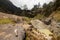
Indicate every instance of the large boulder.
{"type": "Point", "coordinates": [38, 24]}
{"type": "Point", "coordinates": [39, 34]}
{"type": "Point", "coordinates": [39, 31]}
{"type": "Point", "coordinates": [11, 32]}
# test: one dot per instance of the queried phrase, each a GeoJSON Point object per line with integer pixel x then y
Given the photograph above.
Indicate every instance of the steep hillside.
{"type": "Point", "coordinates": [6, 5]}
{"type": "Point", "coordinates": [56, 15]}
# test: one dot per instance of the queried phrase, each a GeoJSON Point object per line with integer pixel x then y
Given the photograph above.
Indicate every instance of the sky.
{"type": "Point", "coordinates": [30, 3]}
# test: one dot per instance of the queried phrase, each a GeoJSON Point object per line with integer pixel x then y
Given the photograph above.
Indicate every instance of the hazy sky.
{"type": "Point", "coordinates": [29, 3]}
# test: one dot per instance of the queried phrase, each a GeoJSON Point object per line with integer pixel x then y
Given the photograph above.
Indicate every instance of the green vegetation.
{"type": "Point", "coordinates": [47, 9]}
{"type": "Point", "coordinates": [57, 16]}
{"type": "Point", "coordinates": [5, 21]}
{"type": "Point", "coordinates": [39, 16]}
{"type": "Point", "coordinates": [27, 19]}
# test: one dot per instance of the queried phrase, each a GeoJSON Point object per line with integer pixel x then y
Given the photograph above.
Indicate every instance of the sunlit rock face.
{"type": "Point", "coordinates": [38, 24]}
{"type": "Point", "coordinates": [39, 31]}
{"type": "Point", "coordinates": [39, 34]}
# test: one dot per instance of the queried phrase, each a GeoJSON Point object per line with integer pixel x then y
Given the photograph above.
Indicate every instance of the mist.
{"type": "Point", "coordinates": [30, 3]}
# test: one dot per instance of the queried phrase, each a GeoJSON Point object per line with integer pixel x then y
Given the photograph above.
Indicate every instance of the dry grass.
{"type": "Point", "coordinates": [57, 16]}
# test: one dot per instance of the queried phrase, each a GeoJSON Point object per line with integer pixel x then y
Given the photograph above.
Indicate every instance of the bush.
{"type": "Point", "coordinates": [39, 16]}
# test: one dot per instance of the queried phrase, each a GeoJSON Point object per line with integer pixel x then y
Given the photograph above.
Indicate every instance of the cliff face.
{"type": "Point", "coordinates": [6, 5]}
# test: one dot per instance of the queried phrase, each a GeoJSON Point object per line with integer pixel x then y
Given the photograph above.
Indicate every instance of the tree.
{"type": "Point", "coordinates": [48, 8]}
{"type": "Point", "coordinates": [56, 4]}
{"type": "Point", "coordinates": [35, 7]}
{"type": "Point", "coordinates": [45, 5]}
{"type": "Point", "coordinates": [38, 6]}
{"type": "Point", "coordinates": [25, 7]}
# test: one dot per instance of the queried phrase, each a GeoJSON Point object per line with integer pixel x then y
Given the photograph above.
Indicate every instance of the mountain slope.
{"type": "Point", "coordinates": [6, 5]}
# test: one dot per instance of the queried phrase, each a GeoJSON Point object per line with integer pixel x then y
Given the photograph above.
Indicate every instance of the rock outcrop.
{"type": "Point", "coordinates": [39, 31]}
{"type": "Point", "coordinates": [8, 32]}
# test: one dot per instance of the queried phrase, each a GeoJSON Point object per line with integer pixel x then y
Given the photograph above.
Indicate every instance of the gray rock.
{"type": "Point", "coordinates": [7, 32]}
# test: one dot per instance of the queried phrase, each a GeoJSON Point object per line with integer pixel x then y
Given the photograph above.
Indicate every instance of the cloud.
{"type": "Point", "coordinates": [29, 3]}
